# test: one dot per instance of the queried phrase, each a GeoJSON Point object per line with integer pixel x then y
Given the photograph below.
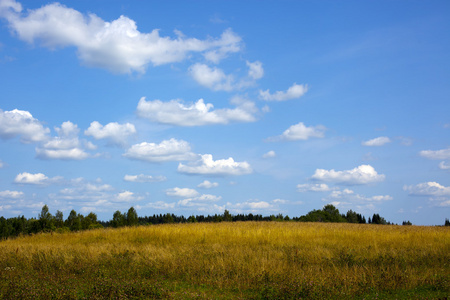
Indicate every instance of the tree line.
{"type": "Point", "coordinates": [46, 222]}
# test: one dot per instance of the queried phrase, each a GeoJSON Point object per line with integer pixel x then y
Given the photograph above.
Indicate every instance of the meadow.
{"type": "Point", "coordinates": [230, 260]}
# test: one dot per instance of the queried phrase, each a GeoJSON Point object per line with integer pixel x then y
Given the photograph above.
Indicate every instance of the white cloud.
{"type": "Point", "coordinates": [212, 78]}
{"type": "Point", "coordinates": [379, 141]}
{"type": "Point", "coordinates": [444, 166]}
{"type": "Point", "coordinates": [300, 132]}
{"type": "Point", "coordinates": [295, 91]}
{"type": "Point", "coordinates": [2, 164]}
{"type": "Point", "coordinates": [21, 123]}
{"type": "Point", "coordinates": [363, 174]}
{"type": "Point", "coordinates": [175, 112]}
{"type": "Point", "coordinates": [202, 200]}
{"type": "Point", "coordinates": [255, 70]}
{"type": "Point", "coordinates": [207, 166]}
{"type": "Point", "coordinates": [158, 205]}
{"type": "Point", "coordinates": [126, 196]}
{"type": "Point", "coordinates": [117, 46]}
{"type": "Point", "coordinates": [182, 192]}
{"type": "Point", "coordinates": [167, 150]}
{"type": "Point", "coordinates": [436, 154]}
{"type": "Point", "coordinates": [144, 178]}
{"type": "Point", "coordinates": [229, 43]}
{"type": "Point", "coordinates": [279, 201]}
{"type": "Point", "coordinates": [66, 146]}
{"type": "Point", "coordinates": [251, 206]}
{"type": "Point", "coordinates": [114, 132]}
{"type": "Point", "coordinates": [428, 189]}
{"type": "Point", "coordinates": [11, 194]}
{"type": "Point", "coordinates": [349, 197]}
{"type": "Point", "coordinates": [208, 184]}
{"type": "Point", "coordinates": [309, 187]}
{"type": "Point", "coordinates": [37, 179]}
{"type": "Point", "coordinates": [270, 154]}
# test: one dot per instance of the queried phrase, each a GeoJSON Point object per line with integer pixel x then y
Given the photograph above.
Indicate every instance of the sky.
{"type": "Point", "coordinates": [194, 107]}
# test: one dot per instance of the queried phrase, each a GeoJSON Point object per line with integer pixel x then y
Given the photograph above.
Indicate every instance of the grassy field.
{"type": "Point", "coordinates": [246, 260]}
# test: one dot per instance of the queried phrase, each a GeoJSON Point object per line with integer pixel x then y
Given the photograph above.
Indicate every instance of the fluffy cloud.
{"type": "Point", "coordinates": [208, 184]}
{"type": "Point", "coordinates": [433, 189]}
{"type": "Point", "coordinates": [444, 166]}
{"type": "Point", "coordinates": [379, 141]}
{"type": "Point", "coordinates": [175, 112]}
{"type": "Point", "coordinates": [255, 70]}
{"type": "Point", "coordinates": [363, 174]}
{"type": "Point", "coordinates": [126, 196]}
{"type": "Point", "coordinates": [318, 187]}
{"type": "Point", "coordinates": [11, 194]}
{"type": "Point", "coordinates": [37, 179]}
{"type": "Point", "coordinates": [207, 166]}
{"type": "Point", "coordinates": [212, 78]}
{"type": "Point", "coordinates": [349, 197]}
{"type": "Point", "coordinates": [182, 192]}
{"type": "Point", "coordinates": [144, 178]}
{"type": "Point", "coordinates": [158, 205]}
{"type": "Point", "coordinates": [251, 206]}
{"type": "Point", "coordinates": [114, 132]}
{"type": "Point", "coordinates": [295, 91]}
{"type": "Point", "coordinates": [21, 123]}
{"type": "Point", "coordinates": [300, 132]}
{"type": "Point", "coordinates": [436, 154]}
{"type": "Point", "coordinates": [270, 154]}
{"type": "Point", "coordinates": [200, 201]}
{"type": "Point", "coordinates": [117, 46]}
{"type": "Point", "coordinates": [167, 150]}
{"type": "Point", "coordinates": [66, 146]}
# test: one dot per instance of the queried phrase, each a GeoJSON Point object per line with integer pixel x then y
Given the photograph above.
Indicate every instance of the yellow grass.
{"type": "Point", "coordinates": [244, 259]}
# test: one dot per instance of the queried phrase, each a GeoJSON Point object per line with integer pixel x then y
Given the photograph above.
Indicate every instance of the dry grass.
{"type": "Point", "coordinates": [229, 260]}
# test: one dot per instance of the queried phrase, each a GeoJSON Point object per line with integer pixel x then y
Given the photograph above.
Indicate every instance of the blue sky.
{"type": "Point", "coordinates": [194, 107]}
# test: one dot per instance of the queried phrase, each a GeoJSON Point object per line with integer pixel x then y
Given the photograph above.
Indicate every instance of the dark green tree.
{"type": "Point", "coordinates": [118, 220]}
{"type": "Point", "coordinates": [59, 219]}
{"type": "Point", "coordinates": [132, 217]}
{"type": "Point", "coordinates": [227, 217]}
{"type": "Point", "coordinates": [46, 219]}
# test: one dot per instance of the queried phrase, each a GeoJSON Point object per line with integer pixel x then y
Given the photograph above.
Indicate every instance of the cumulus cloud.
{"type": "Point", "coordinates": [251, 206]}
{"type": "Point", "coordinates": [207, 166]}
{"type": "Point", "coordinates": [158, 205]}
{"type": "Point", "coordinates": [167, 150]}
{"type": "Point", "coordinates": [212, 78]}
{"type": "Point", "coordinates": [144, 178]}
{"type": "Point", "coordinates": [126, 196]}
{"type": "Point", "coordinates": [379, 141]}
{"type": "Point", "coordinates": [117, 46]}
{"type": "Point", "coordinates": [199, 201]}
{"type": "Point", "coordinates": [270, 154]}
{"type": "Point", "coordinates": [21, 123]}
{"type": "Point", "coordinates": [427, 189]}
{"type": "Point", "coordinates": [300, 132]}
{"type": "Point", "coordinates": [317, 187]}
{"type": "Point", "coordinates": [182, 192]}
{"type": "Point", "coordinates": [114, 132]}
{"type": "Point", "coordinates": [255, 70]}
{"type": "Point", "coordinates": [208, 184]}
{"type": "Point", "coordinates": [36, 179]}
{"type": "Point", "coordinates": [363, 174]}
{"type": "Point", "coordinates": [295, 91]}
{"type": "Point", "coordinates": [11, 194]}
{"type": "Point", "coordinates": [436, 154]}
{"type": "Point", "coordinates": [66, 146]}
{"type": "Point", "coordinates": [444, 166]}
{"type": "Point", "coordinates": [175, 112]}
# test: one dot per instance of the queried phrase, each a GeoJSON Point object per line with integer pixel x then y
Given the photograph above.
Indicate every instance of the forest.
{"type": "Point", "coordinates": [46, 222]}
